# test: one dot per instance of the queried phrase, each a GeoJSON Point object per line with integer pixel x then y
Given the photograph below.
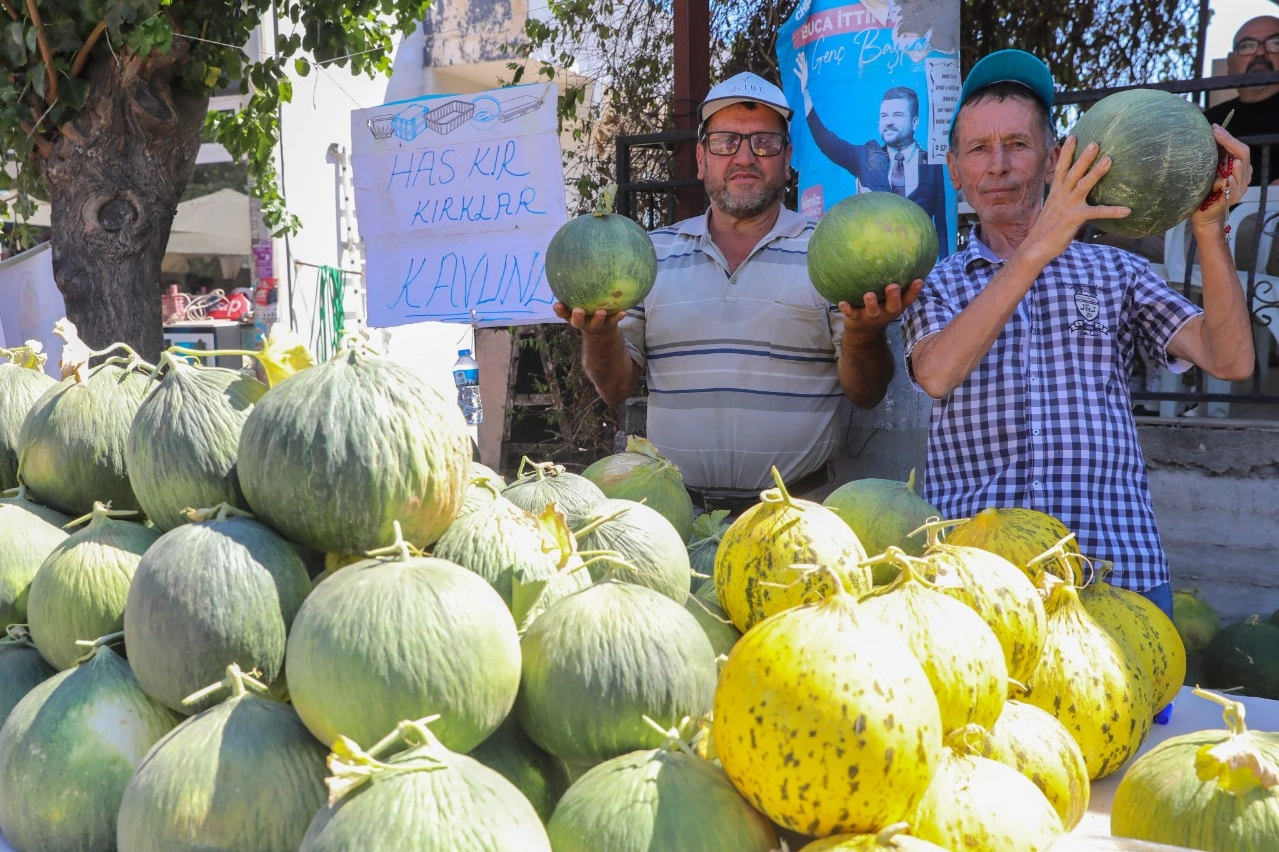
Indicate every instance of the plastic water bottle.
{"type": "Point", "coordinates": [466, 375]}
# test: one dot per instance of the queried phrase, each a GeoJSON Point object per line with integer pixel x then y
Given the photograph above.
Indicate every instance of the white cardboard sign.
{"type": "Point", "coordinates": [457, 198]}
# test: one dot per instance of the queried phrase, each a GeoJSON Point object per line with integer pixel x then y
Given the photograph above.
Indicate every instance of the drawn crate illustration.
{"type": "Point", "coordinates": [410, 121]}
{"type": "Point", "coordinates": [450, 116]}
{"type": "Point", "coordinates": [516, 107]}
{"type": "Point", "coordinates": [381, 126]}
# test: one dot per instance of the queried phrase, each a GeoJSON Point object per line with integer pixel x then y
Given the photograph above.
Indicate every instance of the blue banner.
{"type": "Point", "coordinates": [874, 86]}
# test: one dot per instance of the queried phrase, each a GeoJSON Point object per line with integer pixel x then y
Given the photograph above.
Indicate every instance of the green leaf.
{"type": "Point", "coordinates": [301, 67]}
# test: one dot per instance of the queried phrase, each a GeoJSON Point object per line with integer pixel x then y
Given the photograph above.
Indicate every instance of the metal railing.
{"type": "Point", "coordinates": [646, 193]}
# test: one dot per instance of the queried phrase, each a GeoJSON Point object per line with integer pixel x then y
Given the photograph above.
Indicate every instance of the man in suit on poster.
{"type": "Point", "coordinates": [899, 164]}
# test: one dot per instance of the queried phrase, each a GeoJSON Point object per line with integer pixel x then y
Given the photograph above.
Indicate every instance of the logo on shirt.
{"type": "Point", "coordinates": [1089, 308]}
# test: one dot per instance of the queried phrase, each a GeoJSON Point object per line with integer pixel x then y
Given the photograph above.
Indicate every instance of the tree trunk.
{"type": "Point", "coordinates": [114, 176]}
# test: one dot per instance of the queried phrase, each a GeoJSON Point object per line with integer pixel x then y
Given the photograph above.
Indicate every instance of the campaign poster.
{"type": "Point", "coordinates": [874, 85]}
{"type": "Point", "coordinates": [458, 197]}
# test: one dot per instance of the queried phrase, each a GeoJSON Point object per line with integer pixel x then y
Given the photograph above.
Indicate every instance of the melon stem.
{"type": "Point", "coordinates": [101, 512]}
{"type": "Point", "coordinates": [778, 494]}
{"type": "Point", "coordinates": [933, 528]}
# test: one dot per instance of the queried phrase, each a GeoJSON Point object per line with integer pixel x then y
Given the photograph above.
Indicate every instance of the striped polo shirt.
{"type": "Point", "coordinates": [1045, 420]}
{"type": "Point", "coordinates": [741, 366]}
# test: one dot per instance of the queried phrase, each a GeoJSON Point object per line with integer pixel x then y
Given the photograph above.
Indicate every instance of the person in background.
{"type": "Point", "coordinates": [746, 363]}
{"type": "Point", "coordinates": [900, 164]}
{"type": "Point", "coordinates": [1256, 108]}
{"type": "Point", "coordinates": [1024, 338]}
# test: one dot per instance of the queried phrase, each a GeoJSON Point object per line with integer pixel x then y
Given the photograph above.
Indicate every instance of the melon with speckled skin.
{"type": "Point", "coordinates": [1034, 743]}
{"type": "Point", "coordinates": [825, 721]}
{"type": "Point", "coordinates": [1092, 684]}
{"type": "Point", "coordinates": [755, 575]}
{"type": "Point", "coordinates": [1145, 628]}
{"type": "Point", "coordinates": [1164, 158]}
{"type": "Point", "coordinates": [977, 803]}
{"type": "Point", "coordinates": [1020, 535]}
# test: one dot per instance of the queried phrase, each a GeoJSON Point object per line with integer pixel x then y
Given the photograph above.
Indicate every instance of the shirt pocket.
{"type": "Point", "coordinates": [799, 332]}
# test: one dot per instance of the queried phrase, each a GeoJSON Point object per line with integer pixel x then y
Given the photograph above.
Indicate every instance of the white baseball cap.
{"type": "Point", "coordinates": [744, 87]}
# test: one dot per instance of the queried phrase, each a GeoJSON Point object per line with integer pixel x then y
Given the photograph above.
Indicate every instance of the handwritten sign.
{"type": "Point", "coordinates": [457, 198]}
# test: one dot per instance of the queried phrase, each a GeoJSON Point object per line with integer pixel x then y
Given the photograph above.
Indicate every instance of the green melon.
{"type": "Point", "coordinates": [883, 513]}
{"type": "Point", "coordinates": [22, 669]}
{"type": "Point", "coordinates": [67, 751]}
{"type": "Point", "coordinates": [1244, 655]}
{"type": "Point", "coordinates": [71, 450]}
{"type": "Point", "coordinates": [182, 447]}
{"type": "Point", "coordinates": [403, 637]}
{"type": "Point", "coordinates": [80, 591]}
{"type": "Point", "coordinates": [600, 660]}
{"type": "Point", "coordinates": [664, 799]}
{"type": "Point", "coordinates": [642, 474]}
{"type": "Point", "coordinates": [868, 241]}
{"type": "Point", "coordinates": [28, 534]}
{"type": "Point", "coordinates": [206, 595]}
{"type": "Point", "coordinates": [1196, 620]}
{"type": "Point", "coordinates": [651, 550]}
{"type": "Point", "coordinates": [601, 260]}
{"type": "Point", "coordinates": [424, 799]}
{"type": "Point", "coordinates": [20, 386]}
{"type": "Point", "coordinates": [334, 455]}
{"type": "Point", "coordinates": [244, 775]}
{"type": "Point", "coordinates": [540, 776]}
{"type": "Point", "coordinates": [538, 484]}
{"type": "Point", "coordinates": [1164, 158]}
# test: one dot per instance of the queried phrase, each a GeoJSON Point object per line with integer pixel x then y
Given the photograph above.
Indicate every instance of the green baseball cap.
{"type": "Point", "coordinates": [1010, 66]}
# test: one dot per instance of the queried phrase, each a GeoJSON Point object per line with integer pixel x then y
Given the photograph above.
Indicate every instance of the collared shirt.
{"type": "Point", "coordinates": [742, 365]}
{"type": "Point", "coordinates": [1045, 420]}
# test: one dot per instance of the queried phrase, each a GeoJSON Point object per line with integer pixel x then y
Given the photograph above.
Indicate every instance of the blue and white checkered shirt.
{"type": "Point", "coordinates": [1045, 421]}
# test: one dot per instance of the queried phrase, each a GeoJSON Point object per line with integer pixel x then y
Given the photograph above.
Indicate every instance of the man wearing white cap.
{"type": "Point", "coordinates": [1025, 337]}
{"type": "Point", "coordinates": [746, 362]}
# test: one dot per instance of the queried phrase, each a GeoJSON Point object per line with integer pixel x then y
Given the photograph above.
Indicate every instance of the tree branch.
{"type": "Point", "coordinates": [44, 146]}
{"type": "Point", "coordinates": [45, 51]}
{"type": "Point", "coordinates": [13, 13]}
{"type": "Point", "coordinates": [82, 55]}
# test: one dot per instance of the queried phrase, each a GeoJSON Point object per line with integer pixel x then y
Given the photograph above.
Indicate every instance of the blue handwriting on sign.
{"type": "Point", "coordinates": [493, 161]}
{"type": "Point", "coordinates": [433, 166]}
{"type": "Point", "coordinates": [475, 207]}
{"type": "Point", "coordinates": [460, 280]}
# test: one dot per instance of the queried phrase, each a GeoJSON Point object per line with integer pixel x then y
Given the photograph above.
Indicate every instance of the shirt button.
{"type": "Point", "coordinates": [733, 280]}
{"type": "Point", "coordinates": [1034, 431]}
{"type": "Point", "coordinates": [1035, 484]}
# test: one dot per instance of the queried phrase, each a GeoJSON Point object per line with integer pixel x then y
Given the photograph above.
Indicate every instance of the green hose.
{"type": "Point", "coordinates": [327, 323]}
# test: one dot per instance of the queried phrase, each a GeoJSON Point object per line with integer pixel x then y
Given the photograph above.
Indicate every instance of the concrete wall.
{"type": "Point", "coordinates": [1216, 496]}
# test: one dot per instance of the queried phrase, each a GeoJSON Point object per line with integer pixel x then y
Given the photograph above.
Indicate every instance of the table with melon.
{"type": "Point", "coordinates": [297, 615]}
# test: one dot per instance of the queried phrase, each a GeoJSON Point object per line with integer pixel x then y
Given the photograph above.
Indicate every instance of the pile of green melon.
{"type": "Point", "coordinates": [300, 617]}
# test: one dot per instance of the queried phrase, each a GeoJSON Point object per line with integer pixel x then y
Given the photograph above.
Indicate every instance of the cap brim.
{"type": "Point", "coordinates": [711, 107]}
{"type": "Point", "coordinates": [1010, 66]}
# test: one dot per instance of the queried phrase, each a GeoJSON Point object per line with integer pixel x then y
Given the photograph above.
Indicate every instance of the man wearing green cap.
{"type": "Point", "coordinates": [1025, 337]}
